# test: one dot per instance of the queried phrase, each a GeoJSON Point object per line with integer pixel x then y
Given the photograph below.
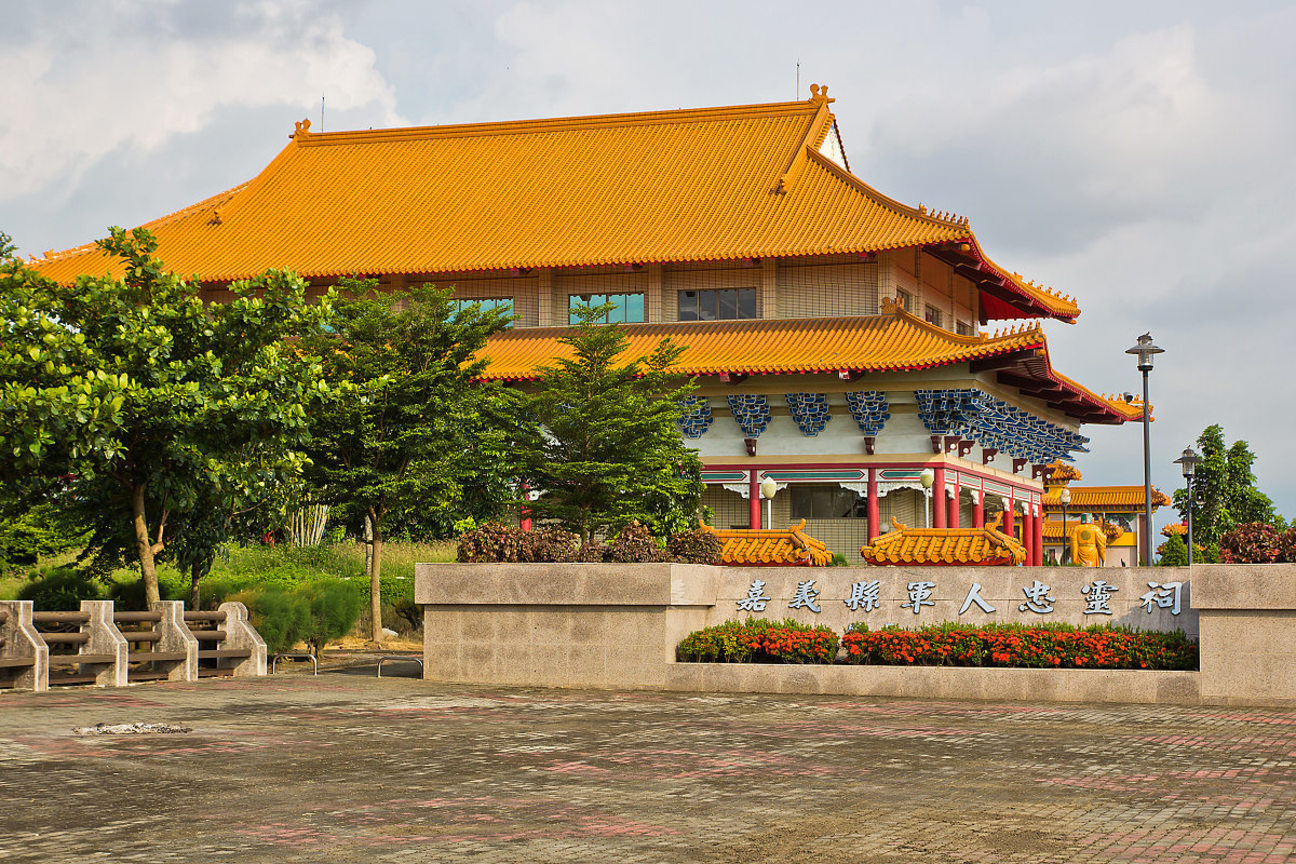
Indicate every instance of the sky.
{"type": "Point", "coordinates": [1134, 154]}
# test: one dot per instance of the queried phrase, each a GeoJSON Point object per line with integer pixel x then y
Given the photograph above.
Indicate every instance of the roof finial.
{"type": "Point", "coordinates": [819, 94]}
{"type": "Point", "coordinates": [303, 129]}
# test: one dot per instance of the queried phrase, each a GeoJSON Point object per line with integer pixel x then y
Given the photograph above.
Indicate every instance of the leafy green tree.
{"type": "Point", "coordinates": [612, 452]}
{"type": "Point", "coordinates": [417, 432]}
{"type": "Point", "coordinates": [136, 396]}
{"type": "Point", "coordinates": [1224, 489]}
{"type": "Point", "coordinates": [1174, 552]}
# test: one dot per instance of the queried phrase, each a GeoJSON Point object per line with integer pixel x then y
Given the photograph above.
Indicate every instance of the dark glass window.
{"type": "Point", "coordinates": [486, 303]}
{"type": "Point", "coordinates": [934, 316]}
{"type": "Point", "coordinates": [626, 308]}
{"type": "Point", "coordinates": [826, 502]}
{"type": "Point", "coordinates": [717, 304]}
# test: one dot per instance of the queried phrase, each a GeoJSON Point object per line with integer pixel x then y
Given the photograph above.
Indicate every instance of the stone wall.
{"type": "Point", "coordinates": [590, 625]}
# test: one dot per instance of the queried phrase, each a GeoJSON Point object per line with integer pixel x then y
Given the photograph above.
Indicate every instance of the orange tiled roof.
{"type": "Point", "coordinates": [692, 185]}
{"type": "Point", "coordinates": [770, 547]}
{"type": "Point", "coordinates": [1053, 529]}
{"type": "Point", "coordinates": [944, 546]}
{"type": "Point", "coordinates": [1180, 528]}
{"type": "Point", "coordinates": [1062, 472]}
{"type": "Point", "coordinates": [893, 341]}
{"type": "Point", "coordinates": [1101, 498]}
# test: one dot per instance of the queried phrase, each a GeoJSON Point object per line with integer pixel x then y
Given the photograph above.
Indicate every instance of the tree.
{"type": "Point", "coordinates": [135, 396]}
{"type": "Point", "coordinates": [417, 429]}
{"type": "Point", "coordinates": [612, 452]}
{"type": "Point", "coordinates": [1224, 490]}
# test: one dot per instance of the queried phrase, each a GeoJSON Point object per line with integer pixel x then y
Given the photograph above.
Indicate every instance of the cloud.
{"type": "Point", "coordinates": [87, 79]}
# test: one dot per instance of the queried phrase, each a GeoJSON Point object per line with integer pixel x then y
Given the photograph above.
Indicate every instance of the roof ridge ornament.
{"type": "Point", "coordinates": [302, 129]}
{"type": "Point", "coordinates": [819, 94]}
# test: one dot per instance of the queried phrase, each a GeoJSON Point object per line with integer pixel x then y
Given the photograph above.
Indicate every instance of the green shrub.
{"type": "Point", "coordinates": [127, 591]}
{"type": "Point", "coordinates": [281, 617]}
{"type": "Point", "coordinates": [694, 546]}
{"type": "Point", "coordinates": [554, 543]}
{"type": "Point", "coordinates": [1252, 543]}
{"type": "Point", "coordinates": [759, 640]}
{"type": "Point", "coordinates": [60, 589]}
{"type": "Point", "coordinates": [332, 609]}
{"type": "Point", "coordinates": [493, 542]}
{"type": "Point", "coordinates": [634, 544]}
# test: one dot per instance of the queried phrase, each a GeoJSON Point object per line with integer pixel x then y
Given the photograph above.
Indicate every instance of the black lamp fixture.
{"type": "Point", "coordinates": [1145, 350]}
{"type": "Point", "coordinates": [1189, 462]}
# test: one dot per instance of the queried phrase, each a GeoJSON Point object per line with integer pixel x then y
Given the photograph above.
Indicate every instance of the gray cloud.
{"type": "Point", "coordinates": [1135, 155]}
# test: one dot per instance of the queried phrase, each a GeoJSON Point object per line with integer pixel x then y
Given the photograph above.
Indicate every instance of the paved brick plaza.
{"type": "Point", "coordinates": [346, 767]}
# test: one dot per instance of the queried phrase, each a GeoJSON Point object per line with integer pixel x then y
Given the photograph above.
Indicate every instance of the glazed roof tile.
{"type": "Point", "coordinates": [1098, 498]}
{"type": "Point", "coordinates": [943, 546]}
{"type": "Point", "coordinates": [668, 186]}
{"type": "Point", "coordinates": [893, 341]}
{"type": "Point", "coordinates": [761, 547]}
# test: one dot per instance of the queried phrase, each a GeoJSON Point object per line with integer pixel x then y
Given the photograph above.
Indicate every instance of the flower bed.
{"type": "Point", "coordinates": [995, 645]}
{"type": "Point", "coordinates": [759, 640]}
{"type": "Point", "coordinates": [1043, 646]}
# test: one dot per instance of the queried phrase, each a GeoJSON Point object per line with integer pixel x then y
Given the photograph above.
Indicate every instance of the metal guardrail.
{"type": "Point", "coordinates": [399, 659]}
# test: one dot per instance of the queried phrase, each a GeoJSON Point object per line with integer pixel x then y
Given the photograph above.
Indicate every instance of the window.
{"type": "Point", "coordinates": [963, 328]}
{"type": "Point", "coordinates": [826, 502]}
{"type": "Point", "coordinates": [458, 304]}
{"type": "Point", "coordinates": [626, 308]}
{"type": "Point", "coordinates": [905, 299]}
{"type": "Point", "coordinates": [717, 304]}
{"type": "Point", "coordinates": [933, 315]}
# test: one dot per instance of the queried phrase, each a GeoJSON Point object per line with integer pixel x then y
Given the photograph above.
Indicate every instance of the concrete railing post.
{"type": "Point", "coordinates": [105, 638]}
{"type": "Point", "coordinates": [176, 637]}
{"type": "Point", "coordinates": [20, 640]}
{"type": "Point", "coordinates": [239, 634]}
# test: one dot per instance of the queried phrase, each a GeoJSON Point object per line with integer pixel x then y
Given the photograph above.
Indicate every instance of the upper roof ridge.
{"type": "Point", "coordinates": [303, 134]}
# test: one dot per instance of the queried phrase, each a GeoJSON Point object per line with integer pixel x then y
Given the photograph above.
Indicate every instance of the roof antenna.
{"type": "Point", "coordinates": [321, 112]}
{"type": "Point", "coordinates": [798, 93]}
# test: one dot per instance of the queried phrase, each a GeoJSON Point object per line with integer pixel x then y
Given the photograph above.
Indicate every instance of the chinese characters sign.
{"type": "Point", "coordinates": [912, 600]}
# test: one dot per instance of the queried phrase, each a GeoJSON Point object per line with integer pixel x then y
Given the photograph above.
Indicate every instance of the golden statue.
{"type": "Point", "coordinates": [1088, 543]}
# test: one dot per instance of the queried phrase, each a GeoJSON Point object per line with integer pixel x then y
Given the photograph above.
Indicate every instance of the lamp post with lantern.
{"type": "Point", "coordinates": [927, 478]}
{"type": "Point", "coordinates": [1189, 462]}
{"type": "Point", "coordinates": [1145, 350]}
{"type": "Point", "coordinates": [767, 489]}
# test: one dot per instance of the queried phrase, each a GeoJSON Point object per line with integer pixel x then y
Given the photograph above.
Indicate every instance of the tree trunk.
{"type": "Point", "coordinates": [148, 570]}
{"type": "Point", "coordinates": [195, 577]}
{"type": "Point", "coordinates": [375, 583]}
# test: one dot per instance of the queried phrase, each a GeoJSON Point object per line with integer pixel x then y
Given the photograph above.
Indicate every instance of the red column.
{"type": "Point", "coordinates": [524, 512]}
{"type": "Point", "coordinates": [952, 520]}
{"type": "Point", "coordinates": [938, 497]}
{"type": "Point", "coordinates": [1008, 518]}
{"type": "Point", "coordinates": [754, 499]}
{"type": "Point", "coordinates": [1039, 536]}
{"type": "Point", "coordinates": [978, 510]}
{"type": "Point", "coordinates": [1028, 536]}
{"type": "Point", "coordinates": [872, 505]}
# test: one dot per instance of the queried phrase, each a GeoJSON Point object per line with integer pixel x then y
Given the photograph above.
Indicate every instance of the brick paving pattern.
{"type": "Point", "coordinates": [350, 768]}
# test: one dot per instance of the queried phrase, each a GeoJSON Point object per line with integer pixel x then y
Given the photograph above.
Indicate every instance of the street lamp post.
{"type": "Point", "coordinates": [1145, 351]}
{"type": "Point", "coordinates": [927, 477]}
{"type": "Point", "coordinates": [767, 489]}
{"type": "Point", "coordinates": [1065, 498]}
{"type": "Point", "coordinates": [1189, 462]}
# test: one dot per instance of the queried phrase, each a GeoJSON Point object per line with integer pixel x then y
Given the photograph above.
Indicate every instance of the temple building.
{"type": "Point", "coordinates": [849, 347]}
{"type": "Point", "coordinates": [1117, 509]}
